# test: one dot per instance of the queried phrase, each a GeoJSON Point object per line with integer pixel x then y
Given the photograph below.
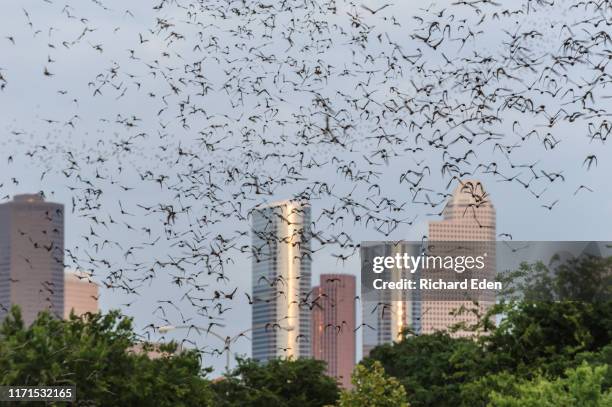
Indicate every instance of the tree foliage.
{"type": "Point", "coordinates": [278, 382]}
{"type": "Point", "coordinates": [548, 335]}
{"type": "Point", "coordinates": [430, 367]}
{"type": "Point", "coordinates": [542, 337]}
{"type": "Point", "coordinates": [373, 388]}
{"type": "Point", "coordinates": [582, 386]}
{"type": "Point", "coordinates": [96, 355]}
{"type": "Point", "coordinates": [585, 278]}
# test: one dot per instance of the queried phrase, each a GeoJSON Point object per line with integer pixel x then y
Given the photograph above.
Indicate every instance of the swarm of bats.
{"type": "Point", "coordinates": [371, 112]}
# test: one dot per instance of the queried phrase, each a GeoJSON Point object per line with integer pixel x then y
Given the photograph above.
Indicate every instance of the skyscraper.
{"type": "Point", "coordinates": [469, 215]}
{"type": "Point", "coordinates": [385, 314]}
{"type": "Point", "coordinates": [80, 294]}
{"type": "Point", "coordinates": [281, 280]}
{"type": "Point", "coordinates": [333, 325]}
{"type": "Point", "coordinates": [32, 256]}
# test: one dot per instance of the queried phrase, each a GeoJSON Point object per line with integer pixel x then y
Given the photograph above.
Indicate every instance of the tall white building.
{"type": "Point", "coordinates": [31, 256]}
{"type": "Point", "coordinates": [281, 280]}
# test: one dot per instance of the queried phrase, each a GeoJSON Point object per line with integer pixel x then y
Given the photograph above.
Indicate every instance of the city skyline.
{"type": "Point", "coordinates": [325, 203]}
{"type": "Point", "coordinates": [272, 266]}
{"type": "Point", "coordinates": [287, 219]}
{"type": "Point", "coordinates": [468, 215]}
{"type": "Point", "coordinates": [99, 141]}
{"type": "Point", "coordinates": [32, 271]}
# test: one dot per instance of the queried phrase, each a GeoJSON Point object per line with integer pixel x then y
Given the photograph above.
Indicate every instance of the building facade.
{"type": "Point", "coordinates": [32, 256]}
{"type": "Point", "coordinates": [333, 325]}
{"type": "Point", "coordinates": [387, 315]}
{"type": "Point", "coordinates": [80, 294]}
{"type": "Point", "coordinates": [469, 216]}
{"type": "Point", "coordinates": [281, 280]}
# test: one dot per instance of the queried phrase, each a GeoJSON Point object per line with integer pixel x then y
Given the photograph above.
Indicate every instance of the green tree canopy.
{"type": "Point", "coordinates": [431, 367]}
{"type": "Point", "coordinates": [95, 355]}
{"type": "Point", "coordinates": [373, 388]}
{"type": "Point", "coordinates": [586, 278]}
{"type": "Point", "coordinates": [546, 335]}
{"type": "Point", "coordinates": [582, 386]}
{"type": "Point", "coordinates": [543, 337]}
{"type": "Point", "coordinates": [278, 382]}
